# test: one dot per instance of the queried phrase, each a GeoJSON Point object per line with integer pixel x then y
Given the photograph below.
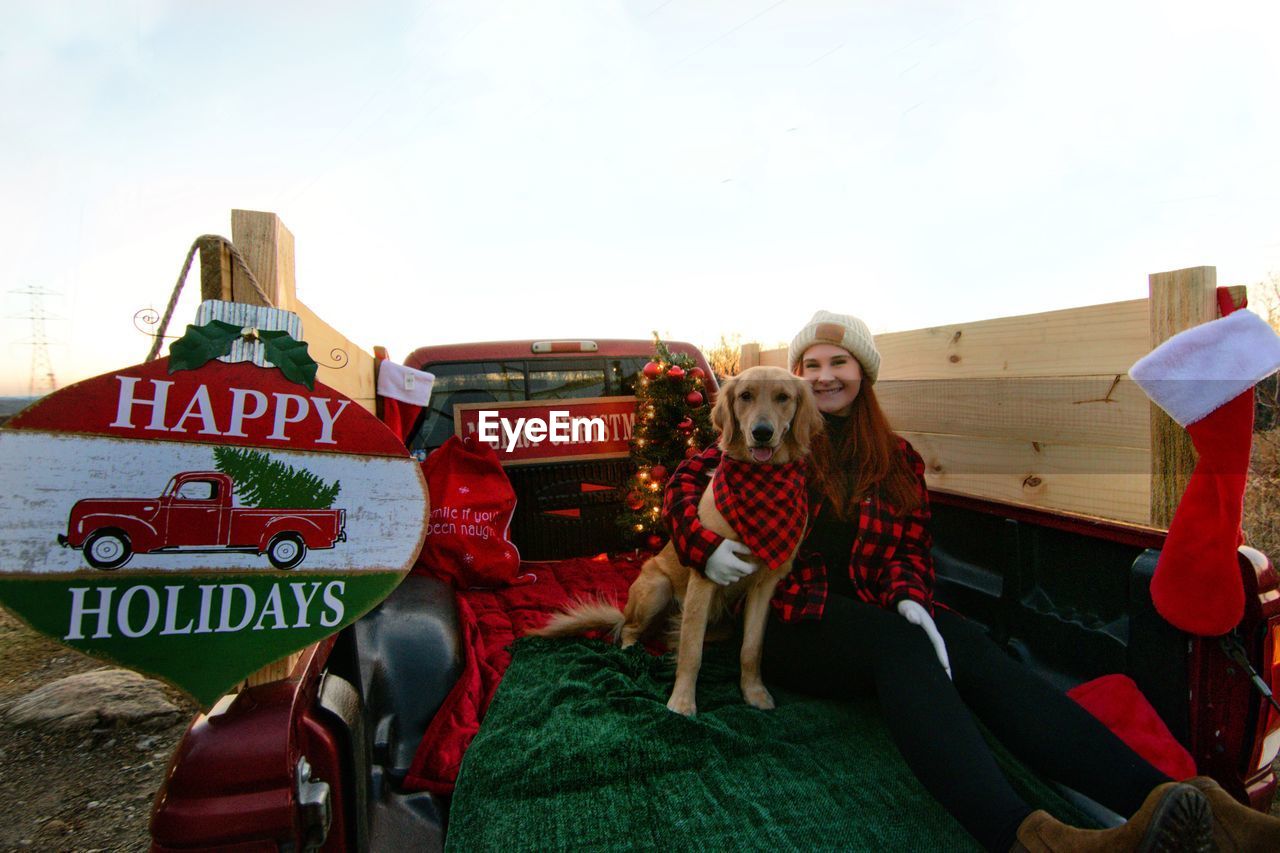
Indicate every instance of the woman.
{"type": "Point", "coordinates": [856, 616]}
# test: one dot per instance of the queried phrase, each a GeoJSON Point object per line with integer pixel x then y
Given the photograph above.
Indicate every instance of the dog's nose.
{"type": "Point", "coordinates": [762, 433]}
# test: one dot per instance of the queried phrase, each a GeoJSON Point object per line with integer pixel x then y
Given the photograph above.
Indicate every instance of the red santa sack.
{"type": "Point", "coordinates": [471, 507]}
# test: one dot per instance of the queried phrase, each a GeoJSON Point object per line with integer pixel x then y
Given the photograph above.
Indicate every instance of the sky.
{"type": "Point", "coordinates": [479, 170]}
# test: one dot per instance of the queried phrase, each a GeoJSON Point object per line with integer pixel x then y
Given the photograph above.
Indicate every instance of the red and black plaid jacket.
{"type": "Point", "coordinates": [890, 561]}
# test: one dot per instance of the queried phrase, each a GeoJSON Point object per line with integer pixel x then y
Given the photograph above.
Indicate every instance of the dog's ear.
{"type": "Point", "coordinates": [722, 415]}
{"type": "Point", "coordinates": [807, 421]}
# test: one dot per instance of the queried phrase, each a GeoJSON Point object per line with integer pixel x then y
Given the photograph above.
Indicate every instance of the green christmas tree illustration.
{"type": "Point", "coordinates": [271, 484]}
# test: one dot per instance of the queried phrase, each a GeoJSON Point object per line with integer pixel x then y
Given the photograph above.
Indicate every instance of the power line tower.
{"type": "Point", "coordinates": [42, 379]}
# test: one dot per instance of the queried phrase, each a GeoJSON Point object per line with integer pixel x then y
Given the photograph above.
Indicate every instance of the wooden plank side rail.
{"type": "Point", "coordinates": [1108, 410]}
{"type": "Point", "coordinates": [1097, 339]}
{"type": "Point", "coordinates": [1038, 409]}
{"type": "Point", "coordinates": [1107, 482]}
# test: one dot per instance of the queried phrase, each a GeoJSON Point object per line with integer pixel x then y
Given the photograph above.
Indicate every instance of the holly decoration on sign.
{"type": "Point", "coordinates": [291, 357]}
{"type": "Point", "coordinates": [202, 344]}
{"type": "Point", "coordinates": [668, 430]}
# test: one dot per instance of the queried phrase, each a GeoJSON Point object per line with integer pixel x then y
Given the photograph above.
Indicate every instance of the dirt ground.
{"type": "Point", "coordinates": [82, 791]}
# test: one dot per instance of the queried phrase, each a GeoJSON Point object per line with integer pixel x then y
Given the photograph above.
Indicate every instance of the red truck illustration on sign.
{"type": "Point", "coordinates": [195, 514]}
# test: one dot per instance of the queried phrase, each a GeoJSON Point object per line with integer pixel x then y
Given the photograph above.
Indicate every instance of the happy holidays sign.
{"type": "Point", "coordinates": [198, 524]}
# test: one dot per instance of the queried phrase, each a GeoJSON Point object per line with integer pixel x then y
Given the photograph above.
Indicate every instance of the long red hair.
{"type": "Point", "coordinates": [864, 457]}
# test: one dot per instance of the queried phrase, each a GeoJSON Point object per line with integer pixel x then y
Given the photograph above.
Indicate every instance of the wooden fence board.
{"type": "Point", "coordinates": [1087, 410]}
{"type": "Point", "coordinates": [1092, 340]}
{"type": "Point", "coordinates": [1096, 339]}
{"type": "Point", "coordinates": [343, 365]}
{"type": "Point", "coordinates": [1109, 482]}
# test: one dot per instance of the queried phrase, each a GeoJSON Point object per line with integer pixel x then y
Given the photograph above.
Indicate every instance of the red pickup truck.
{"type": "Point", "coordinates": [321, 759]}
{"type": "Point", "coordinates": [195, 514]}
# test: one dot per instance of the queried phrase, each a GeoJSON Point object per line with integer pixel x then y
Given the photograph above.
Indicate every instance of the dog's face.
{"type": "Point", "coordinates": [766, 415]}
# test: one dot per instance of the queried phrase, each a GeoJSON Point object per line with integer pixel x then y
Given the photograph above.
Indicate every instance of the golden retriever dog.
{"type": "Point", "coordinates": [765, 416]}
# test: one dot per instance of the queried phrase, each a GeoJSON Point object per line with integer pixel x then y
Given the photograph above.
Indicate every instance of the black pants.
{"type": "Point", "coordinates": [859, 649]}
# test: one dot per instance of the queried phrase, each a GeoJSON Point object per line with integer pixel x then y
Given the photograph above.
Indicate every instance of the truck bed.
{"type": "Point", "coordinates": [1012, 595]}
{"type": "Point", "coordinates": [403, 692]}
{"type": "Point", "coordinates": [578, 751]}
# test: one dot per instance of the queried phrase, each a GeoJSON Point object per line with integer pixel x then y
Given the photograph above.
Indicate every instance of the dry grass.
{"type": "Point", "coordinates": [1262, 495]}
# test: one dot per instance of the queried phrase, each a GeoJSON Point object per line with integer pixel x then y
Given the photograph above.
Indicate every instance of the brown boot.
{"type": "Point", "coordinates": [1236, 827]}
{"type": "Point", "coordinates": [1174, 819]}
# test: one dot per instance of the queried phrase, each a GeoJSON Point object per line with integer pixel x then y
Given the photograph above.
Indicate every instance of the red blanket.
{"type": "Point", "coordinates": [491, 619]}
{"type": "Point", "coordinates": [1120, 705]}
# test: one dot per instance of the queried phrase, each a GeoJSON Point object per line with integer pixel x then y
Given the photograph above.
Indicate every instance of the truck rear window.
{"type": "Point", "coordinates": [562, 380]}
{"type": "Point", "coordinates": [517, 380]}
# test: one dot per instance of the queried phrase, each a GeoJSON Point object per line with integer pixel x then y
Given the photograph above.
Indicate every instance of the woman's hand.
{"type": "Point", "coordinates": [914, 613]}
{"type": "Point", "coordinates": [728, 564]}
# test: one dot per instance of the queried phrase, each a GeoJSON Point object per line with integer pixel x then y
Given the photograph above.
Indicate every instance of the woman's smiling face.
{"type": "Point", "coordinates": [836, 377]}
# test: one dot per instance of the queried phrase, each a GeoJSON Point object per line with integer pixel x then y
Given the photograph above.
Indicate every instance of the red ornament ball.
{"type": "Point", "coordinates": [676, 373]}
{"type": "Point", "coordinates": [654, 542]}
{"type": "Point", "coordinates": [694, 398]}
{"type": "Point", "coordinates": [658, 473]}
{"type": "Point", "coordinates": [697, 373]}
{"type": "Point", "coordinates": [652, 370]}
{"type": "Point", "coordinates": [635, 500]}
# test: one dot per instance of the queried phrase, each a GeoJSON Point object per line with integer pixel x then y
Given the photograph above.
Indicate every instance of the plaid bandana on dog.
{"type": "Point", "coordinates": [766, 505]}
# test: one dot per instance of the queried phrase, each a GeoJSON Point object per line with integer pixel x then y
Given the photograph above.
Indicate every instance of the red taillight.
{"type": "Point", "coordinates": [1263, 611]}
{"type": "Point", "coordinates": [1269, 744]}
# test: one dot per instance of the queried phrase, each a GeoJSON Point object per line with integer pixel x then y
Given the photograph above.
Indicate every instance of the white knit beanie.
{"type": "Point", "coordinates": [843, 330]}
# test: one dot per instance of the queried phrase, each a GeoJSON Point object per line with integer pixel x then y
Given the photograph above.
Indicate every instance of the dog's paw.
{"type": "Point", "coordinates": [685, 707]}
{"type": "Point", "coordinates": [758, 697]}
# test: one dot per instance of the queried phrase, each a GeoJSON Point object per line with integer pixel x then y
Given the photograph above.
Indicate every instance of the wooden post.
{"type": "Point", "coordinates": [215, 270]}
{"type": "Point", "coordinates": [748, 356]}
{"type": "Point", "coordinates": [1178, 300]}
{"type": "Point", "coordinates": [267, 247]}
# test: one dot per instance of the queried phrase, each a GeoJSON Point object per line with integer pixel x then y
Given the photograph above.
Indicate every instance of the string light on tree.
{"type": "Point", "coordinates": [673, 423]}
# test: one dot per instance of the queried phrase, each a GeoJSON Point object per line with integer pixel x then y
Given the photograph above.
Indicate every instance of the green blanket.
{"type": "Point", "coordinates": [578, 751]}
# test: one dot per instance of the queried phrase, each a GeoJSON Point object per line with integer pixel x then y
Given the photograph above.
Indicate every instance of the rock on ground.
{"type": "Point", "coordinates": [88, 700]}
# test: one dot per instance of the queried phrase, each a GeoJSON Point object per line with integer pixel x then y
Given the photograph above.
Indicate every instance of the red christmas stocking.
{"type": "Point", "coordinates": [405, 392]}
{"type": "Point", "coordinates": [1204, 379]}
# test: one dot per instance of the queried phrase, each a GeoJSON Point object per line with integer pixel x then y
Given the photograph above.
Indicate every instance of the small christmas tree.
{"type": "Point", "coordinates": [673, 422]}
{"type": "Point", "coordinates": [271, 484]}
